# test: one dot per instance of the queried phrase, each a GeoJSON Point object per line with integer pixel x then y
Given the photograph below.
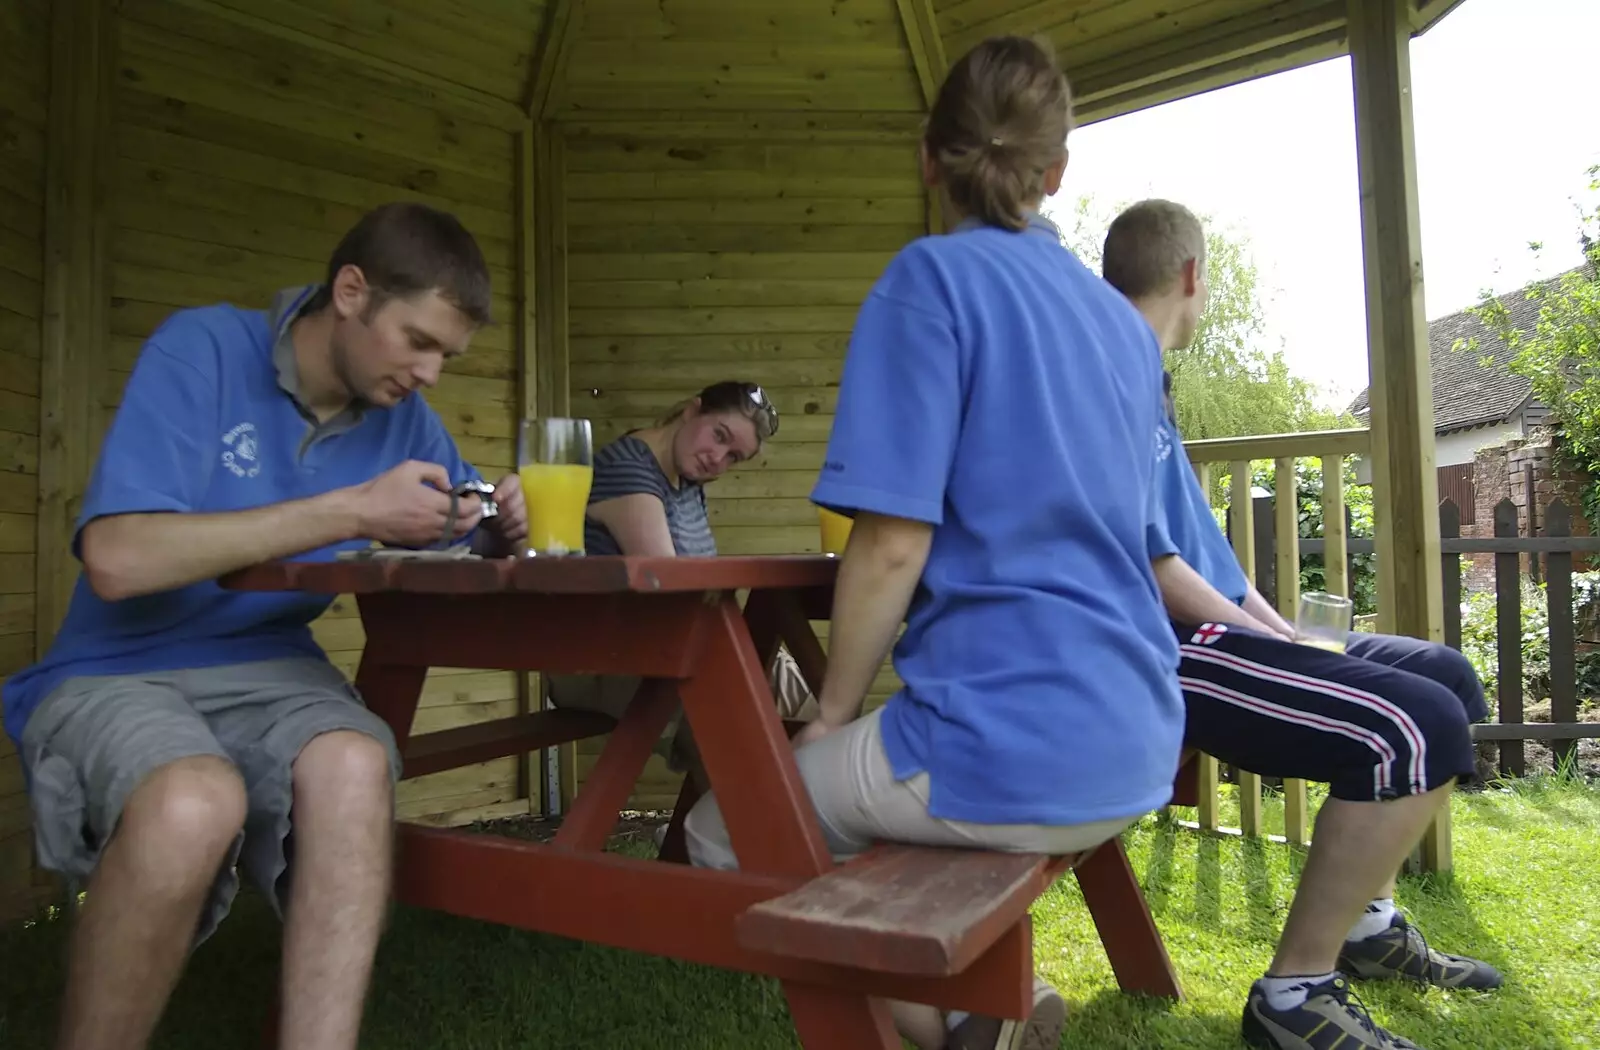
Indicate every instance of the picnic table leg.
{"type": "Point", "coordinates": [1127, 929]}
{"type": "Point", "coordinates": [392, 692]}
{"type": "Point", "coordinates": [611, 781]}
{"type": "Point", "coordinates": [771, 821]}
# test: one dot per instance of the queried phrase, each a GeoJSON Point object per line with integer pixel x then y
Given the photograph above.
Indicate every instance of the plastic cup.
{"type": "Point", "coordinates": [1323, 620]}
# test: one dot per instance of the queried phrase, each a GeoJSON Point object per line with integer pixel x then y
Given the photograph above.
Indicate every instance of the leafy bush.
{"type": "Point", "coordinates": [1480, 640]}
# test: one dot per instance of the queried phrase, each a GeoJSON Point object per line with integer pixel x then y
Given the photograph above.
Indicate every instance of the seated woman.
{"type": "Point", "coordinates": [648, 499]}
{"type": "Point", "coordinates": [995, 441]}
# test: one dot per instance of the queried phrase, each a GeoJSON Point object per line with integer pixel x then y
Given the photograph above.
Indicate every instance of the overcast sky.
{"type": "Point", "coordinates": [1506, 129]}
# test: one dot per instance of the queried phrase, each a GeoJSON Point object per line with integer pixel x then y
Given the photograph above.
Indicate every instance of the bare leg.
{"type": "Point", "coordinates": [922, 1024]}
{"type": "Point", "coordinates": [344, 835]}
{"type": "Point", "coordinates": [145, 897]}
{"type": "Point", "coordinates": [1356, 851]}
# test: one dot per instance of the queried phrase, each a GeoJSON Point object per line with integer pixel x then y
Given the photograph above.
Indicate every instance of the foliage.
{"type": "Point", "coordinates": [1560, 357]}
{"type": "Point", "coordinates": [1363, 575]}
{"type": "Point", "coordinates": [1480, 635]}
{"type": "Point", "coordinates": [1226, 383]}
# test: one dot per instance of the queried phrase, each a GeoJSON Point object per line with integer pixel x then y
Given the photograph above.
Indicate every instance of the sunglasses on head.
{"type": "Point", "coordinates": [765, 411]}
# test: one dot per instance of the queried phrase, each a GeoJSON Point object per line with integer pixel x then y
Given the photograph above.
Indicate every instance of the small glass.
{"type": "Point", "coordinates": [555, 462]}
{"type": "Point", "coordinates": [1323, 621]}
{"type": "Point", "coordinates": [835, 531]}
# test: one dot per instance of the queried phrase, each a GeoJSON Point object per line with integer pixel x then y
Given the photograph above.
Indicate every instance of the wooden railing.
{"type": "Point", "coordinates": [1238, 455]}
{"type": "Point", "coordinates": [1551, 559]}
{"type": "Point", "coordinates": [1265, 535]}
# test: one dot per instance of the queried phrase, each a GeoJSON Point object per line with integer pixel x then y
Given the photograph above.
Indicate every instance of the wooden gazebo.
{"type": "Point", "coordinates": [669, 192]}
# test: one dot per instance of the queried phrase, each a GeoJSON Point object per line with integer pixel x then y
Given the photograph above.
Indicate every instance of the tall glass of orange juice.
{"type": "Point", "coordinates": [555, 461]}
{"type": "Point", "coordinates": [835, 531]}
{"type": "Point", "coordinates": [1323, 621]}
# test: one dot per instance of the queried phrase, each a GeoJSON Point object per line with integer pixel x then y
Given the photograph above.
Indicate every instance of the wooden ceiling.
{"type": "Point", "coordinates": [581, 60]}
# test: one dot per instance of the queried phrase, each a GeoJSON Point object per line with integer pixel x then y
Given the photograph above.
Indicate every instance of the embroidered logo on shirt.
{"type": "Point", "coordinates": [1208, 633]}
{"type": "Point", "coordinates": [1163, 444]}
{"type": "Point", "coordinates": [240, 448]}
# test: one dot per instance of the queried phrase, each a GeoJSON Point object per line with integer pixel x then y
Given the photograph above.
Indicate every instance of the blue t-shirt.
{"type": "Point", "coordinates": [211, 422]}
{"type": "Point", "coordinates": [1187, 517]}
{"type": "Point", "coordinates": [998, 390]}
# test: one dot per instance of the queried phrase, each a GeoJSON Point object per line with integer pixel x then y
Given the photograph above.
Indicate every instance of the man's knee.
{"type": "Point", "coordinates": [186, 813]}
{"type": "Point", "coordinates": [344, 761]}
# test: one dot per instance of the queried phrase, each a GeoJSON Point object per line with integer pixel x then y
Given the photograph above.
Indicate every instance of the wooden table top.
{"type": "Point", "coordinates": [574, 575]}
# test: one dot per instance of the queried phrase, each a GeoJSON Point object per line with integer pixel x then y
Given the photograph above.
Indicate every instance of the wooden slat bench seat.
{"type": "Point", "coordinates": [914, 910]}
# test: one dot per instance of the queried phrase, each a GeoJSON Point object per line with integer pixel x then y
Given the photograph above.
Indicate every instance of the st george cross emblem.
{"type": "Point", "coordinates": [1208, 633]}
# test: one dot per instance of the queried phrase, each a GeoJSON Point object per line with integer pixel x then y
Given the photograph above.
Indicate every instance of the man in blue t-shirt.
{"type": "Point", "coordinates": [176, 732]}
{"type": "Point", "coordinates": [1383, 724]}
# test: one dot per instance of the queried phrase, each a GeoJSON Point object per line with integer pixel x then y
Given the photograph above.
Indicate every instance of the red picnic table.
{"type": "Point", "coordinates": [946, 927]}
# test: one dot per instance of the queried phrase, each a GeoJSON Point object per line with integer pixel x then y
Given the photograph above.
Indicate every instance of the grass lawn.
{"type": "Point", "coordinates": [1526, 896]}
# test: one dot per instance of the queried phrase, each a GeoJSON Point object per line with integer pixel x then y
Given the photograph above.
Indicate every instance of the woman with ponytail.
{"type": "Point", "coordinates": [995, 442]}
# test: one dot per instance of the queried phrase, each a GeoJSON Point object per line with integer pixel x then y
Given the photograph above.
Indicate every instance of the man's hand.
{"type": "Point", "coordinates": [511, 523]}
{"type": "Point", "coordinates": [408, 506]}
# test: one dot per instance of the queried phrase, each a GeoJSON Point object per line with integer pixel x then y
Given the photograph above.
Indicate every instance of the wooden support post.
{"type": "Point", "coordinates": [530, 769]}
{"type": "Point", "coordinates": [1286, 530]}
{"type": "Point", "coordinates": [552, 397]}
{"type": "Point", "coordinates": [77, 287]}
{"type": "Point", "coordinates": [1241, 515]}
{"type": "Point", "coordinates": [1405, 487]}
{"type": "Point", "coordinates": [921, 28]}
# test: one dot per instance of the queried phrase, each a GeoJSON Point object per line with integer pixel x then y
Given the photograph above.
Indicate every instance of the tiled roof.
{"type": "Point", "coordinates": [1466, 390]}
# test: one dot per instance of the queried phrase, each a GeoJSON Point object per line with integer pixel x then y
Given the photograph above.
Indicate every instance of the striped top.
{"type": "Point", "coordinates": [626, 467]}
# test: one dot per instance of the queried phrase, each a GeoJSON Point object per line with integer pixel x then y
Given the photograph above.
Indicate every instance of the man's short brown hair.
{"type": "Point", "coordinates": [1147, 246]}
{"type": "Point", "coordinates": [406, 248]}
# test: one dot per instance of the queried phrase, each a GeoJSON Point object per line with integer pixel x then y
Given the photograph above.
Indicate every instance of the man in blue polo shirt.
{"type": "Point", "coordinates": [174, 727]}
{"type": "Point", "coordinates": [1383, 724]}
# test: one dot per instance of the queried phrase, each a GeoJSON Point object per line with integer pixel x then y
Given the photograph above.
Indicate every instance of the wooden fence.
{"type": "Point", "coordinates": [1549, 559]}
{"type": "Point", "coordinates": [1269, 546]}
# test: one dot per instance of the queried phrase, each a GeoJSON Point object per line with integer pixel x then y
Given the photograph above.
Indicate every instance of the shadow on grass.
{"type": "Point", "coordinates": [1113, 1020]}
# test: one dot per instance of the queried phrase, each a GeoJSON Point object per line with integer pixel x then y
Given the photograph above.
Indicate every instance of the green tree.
{"type": "Point", "coordinates": [1561, 355]}
{"type": "Point", "coordinates": [1226, 383]}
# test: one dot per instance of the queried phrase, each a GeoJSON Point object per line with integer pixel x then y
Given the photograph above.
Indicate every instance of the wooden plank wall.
{"type": "Point", "coordinates": [720, 255]}
{"type": "Point", "coordinates": [24, 91]}
{"type": "Point", "coordinates": [241, 156]}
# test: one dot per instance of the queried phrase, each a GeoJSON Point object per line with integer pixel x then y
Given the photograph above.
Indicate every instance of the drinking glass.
{"type": "Point", "coordinates": [1323, 621]}
{"type": "Point", "coordinates": [835, 531]}
{"type": "Point", "coordinates": [555, 461]}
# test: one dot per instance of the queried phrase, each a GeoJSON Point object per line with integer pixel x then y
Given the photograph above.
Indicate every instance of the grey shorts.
{"type": "Point", "coordinates": [93, 740]}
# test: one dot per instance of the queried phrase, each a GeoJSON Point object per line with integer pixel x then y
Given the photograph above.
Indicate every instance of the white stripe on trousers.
{"type": "Point", "coordinates": [1409, 730]}
{"type": "Point", "coordinates": [1370, 737]}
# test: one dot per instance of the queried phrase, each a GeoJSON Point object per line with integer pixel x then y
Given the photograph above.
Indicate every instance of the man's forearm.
{"type": "Point", "coordinates": [879, 573]}
{"type": "Point", "coordinates": [1190, 599]}
{"type": "Point", "coordinates": [134, 554]}
{"type": "Point", "coordinates": [1257, 605]}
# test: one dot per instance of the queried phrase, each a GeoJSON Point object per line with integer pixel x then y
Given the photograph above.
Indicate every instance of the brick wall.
{"type": "Point", "coordinates": [1503, 472]}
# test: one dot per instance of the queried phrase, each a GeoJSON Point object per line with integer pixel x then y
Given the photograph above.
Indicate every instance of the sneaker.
{"type": "Point", "coordinates": [1325, 1021]}
{"type": "Point", "coordinates": [1041, 1031]}
{"type": "Point", "coordinates": [1401, 951]}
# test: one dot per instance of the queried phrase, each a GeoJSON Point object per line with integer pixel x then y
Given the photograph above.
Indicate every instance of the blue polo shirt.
{"type": "Point", "coordinates": [1187, 517]}
{"type": "Point", "coordinates": [211, 421]}
{"type": "Point", "coordinates": [998, 390]}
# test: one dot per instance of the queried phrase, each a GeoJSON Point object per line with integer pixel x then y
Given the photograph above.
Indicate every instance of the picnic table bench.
{"type": "Point", "coordinates": [946, 927]}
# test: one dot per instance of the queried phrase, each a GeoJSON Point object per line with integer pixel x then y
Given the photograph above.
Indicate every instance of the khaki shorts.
{"type": "Point", "coordinates": [860, 803]}
{"type": "Point", "coordinates": [93, 740]}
